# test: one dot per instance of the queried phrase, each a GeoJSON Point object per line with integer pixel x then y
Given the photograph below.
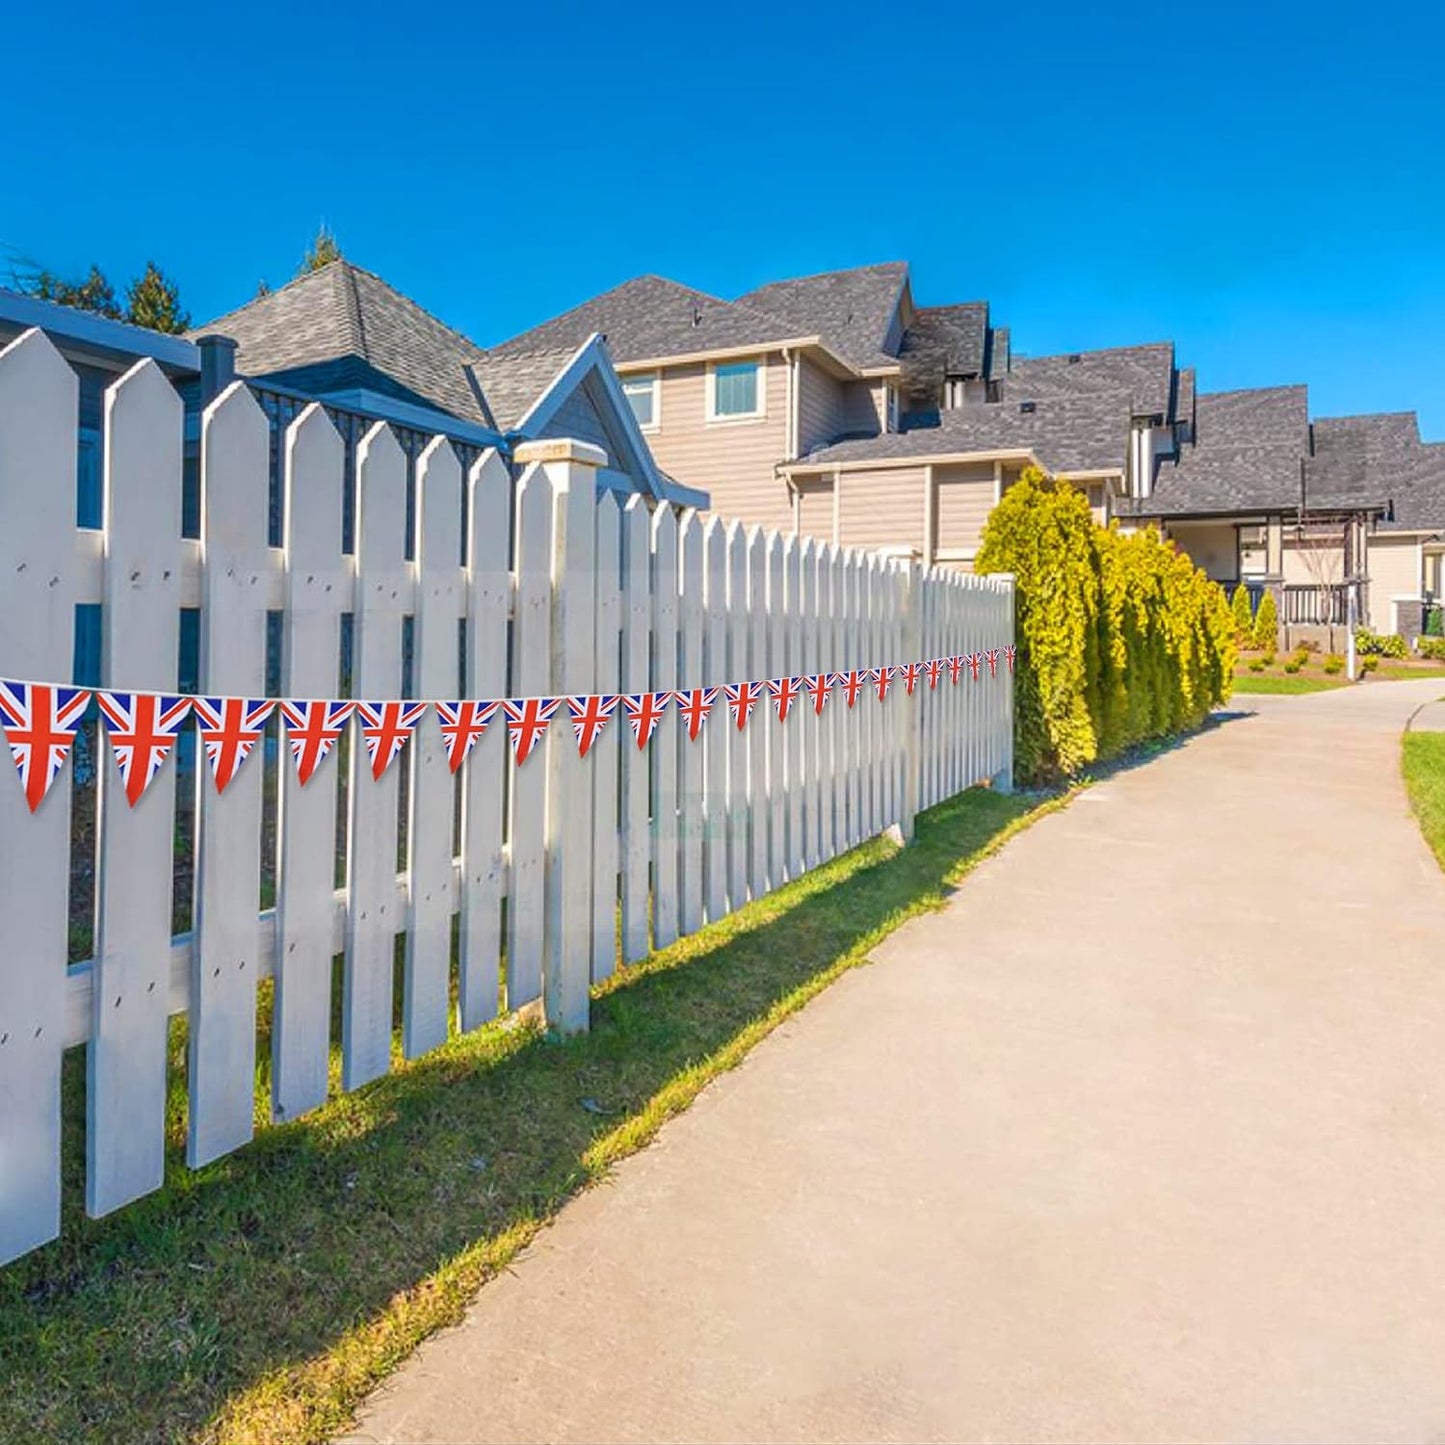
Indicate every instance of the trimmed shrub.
{"type": "Point", "coordinates": [1334, 663]}
{"type": "Point", "coordinates": [1432, 648]}
{"type": "Point", "coordinates": [1243, 616]}
{"type": "Point", "coordinates": [1266, 623]}
{"type": "Point", "coordinates": [1120, 639]}
{"type": "Point", "coordinates": [1256, 664]}
{"type": "Point", "coordinates": [1293, 666]}
{"type": "Point", "coordinates": [1369, 662]}
{"type": "Point", "coordinates": [1380, 644]}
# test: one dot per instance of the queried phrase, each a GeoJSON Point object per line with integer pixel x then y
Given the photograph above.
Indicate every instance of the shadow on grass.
{"type": "Point", "coordinates": [257, 1299]}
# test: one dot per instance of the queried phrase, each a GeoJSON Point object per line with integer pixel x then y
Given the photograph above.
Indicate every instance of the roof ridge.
{"type": "Point", "coordinates": [821, 275]}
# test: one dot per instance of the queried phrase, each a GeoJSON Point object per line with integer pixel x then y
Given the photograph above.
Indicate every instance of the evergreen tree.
{"type": "Point", "coordinates": [321, 252]}
{"type": "Point", "coordinates": [1266, 624]}
{"type": "Point", "coordinates": [1243, 614]}
{"type": "Point", "coordinates": [94, 293]}
{"type": "Point", "coordinates": [154, 302]}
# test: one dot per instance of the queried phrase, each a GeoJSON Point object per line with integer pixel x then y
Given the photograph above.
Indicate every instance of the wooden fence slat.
{"type": "Point", "coordinates": [372, 922]}
{"type": "Point", "coordinates": [221, 1063]}
{"type": "Point", "coordinates": [758, 730]}
{"type": "Point", "coordinates": [531, 677]}
{"type": "Point", "coordinates": [739, 669]}
{"type": "Point", "coordinates": [426, 990]}
{"type": "Point", "coordinates": [126, 1074]}
{"type": "Point", "coordinates": [316, 586]}
{"type": "Point", "coordinates": [691, 809]}
{"type": "Point", "coordinates": [636, 637]}
{"type": "Point", "coordinates": [38, 400]}
{"type": "Point", "coordinates": [484, 775]}
{"type": "Point", "coordinates": [666, 839]}
{"type": "Point", "coordinates": [774, 732]}
{"type": "Point", "coordinates": [606, 752]}
{"type": "Point", "coordinates": [807, 633]}
{"type": "Point", "coordinates": [715, 737]}
{"type": "Point", "coordinates": [830, 659]}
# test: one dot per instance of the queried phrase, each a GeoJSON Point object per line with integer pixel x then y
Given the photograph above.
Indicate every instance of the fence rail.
{"type": "Point", "coordinates": [1325, 603]}
{"type": "Point", "coordinates": [485, 586]}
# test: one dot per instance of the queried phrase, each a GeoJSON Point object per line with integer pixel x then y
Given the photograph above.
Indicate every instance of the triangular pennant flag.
{"type": "Point", "coordinates": [462, 723]}
{"type": "Point", "coordinates": [143, 727]}
{"type": "Point", "coordinates": [1010, 654]}
{"type": "Point", "coordinates": [40, 723]}
{"type": "Point", "coordinates": [589, 716]}
{"type": "Point", "coordinates": [385, 729]}
{"type": "Point", "coordinates": [975, 661]}
{"type": "Point", "coordinates": [882, 678]}
{"type": "Point", "coordinates": [742, 698]}
{"type": "Point", "coordinates": [933, 670]}
{"type": "Point", "coordinates": [955, 668]}
{"type": "Point", "coordinates": [852, 684]}
{"type": "Point", "coordinates": [992, 655]}
{"type": "Point", "coordinates": [644, 711]}
{"type": "Point", "coordinates": [313, 728]}
{"type": "Point", "coordinates": [695, 704]}
{"type": "Point", "coordinates": [527, 720]}
{"type": "Point", "coordinates": [818, 686]}
{"type": "Point", "coordinates": [230, 727]}
{"type": "Point", "coordinates": [911, 672]}
{"type": "Point", "coordinates": [784, 691]}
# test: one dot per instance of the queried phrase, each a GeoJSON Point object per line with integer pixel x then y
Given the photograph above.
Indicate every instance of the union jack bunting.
{"type": "Point", "coordinates": [695, 704]}
{"type": "Point", "coordinates": [955, 667]}
{"type": "Point", "coordinates": [462, 723]}
{"type": "Point", "coordinates": [589, 716]}
{"type": "Point", "coordinates": [992, 655]}
{"type": "Point", "coordinates": [1009, 654]}
{"type": "Point", "coordinates": [742, 698]}
{"type": "Point", "coordinates": [975, 661]}
{"type": "Point", "coordinates": [527, 719]}
{"type": "Point", "coordinates": [644, 711]}
{"type": "Point", "coordinates": [933, 670]}
{"type": "Point", "coordinates": [818, 686]}
{"type": "Point", "coordinates": [143, 728]}
{"type": "Point", "coordinates": [40, 723]}
{"type": "Point", "coordinates": [230, 727]}
{"type": "Point", "coordinates": [385, 729]}
{"type": "Point", "coordinates": [312, 730]}
{"type": "Point", "coordinates": [911, 672]}
{"type": "Point", "coordinates": [882, 679]}
{"type": "Point", "coordinates": [784, 691]}
{"type": "Point", "coordinates": [852, 684]}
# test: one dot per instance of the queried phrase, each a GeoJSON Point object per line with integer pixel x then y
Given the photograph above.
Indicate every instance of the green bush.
{"type": "Point", "coordinates": [1293, 666]}
{"type": "Point", "coordinates": [1256, 664]}
{"type": "Point", "coordinates": [1432, 648]}
{"type": "Point", "coordinates": [1380, 644]}
{"type": "Point", "coordinates": [1243, 616]}
{"type": "Point", "coordinates": [1120, 639]}
{"type": "Point", "coordinates": [1269, 657]}
{"type": "Point", "coordinates": [1369, 662]}
{"type": "Point", "coordinates": [1334, 663]}
{"type": "Point", "coordinates": [1266, 624]}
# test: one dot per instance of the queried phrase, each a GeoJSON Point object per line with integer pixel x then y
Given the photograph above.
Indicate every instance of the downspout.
{"type": "Point", "coordinates": [790, 438]}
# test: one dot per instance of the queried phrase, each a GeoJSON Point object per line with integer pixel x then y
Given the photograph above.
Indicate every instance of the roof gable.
{"type": "Point", "coordinates": [1144, 373]}
{"type": "Point", "coordinates": [854, 312]}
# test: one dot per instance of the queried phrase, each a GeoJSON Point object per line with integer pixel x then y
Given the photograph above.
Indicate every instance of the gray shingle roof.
{"type": "Point", "coordinates": [341, 327]}
{"type": "Point", "coordinates": [511, 383]}
{"type": "Point", "coordinates": [1365, 460]}
{"type": "Point", "coordinates": [942, 341]}
{"type": "Point", "coordinates": [1144, 373]}
{"type": "Point", "coordinates": [851, 310]}
{"type": "Point", "coordinates": [1072, 434]}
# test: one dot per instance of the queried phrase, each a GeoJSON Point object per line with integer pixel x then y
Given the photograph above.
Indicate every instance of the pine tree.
{"type": "Point", "coordinates": [94, 293]}
{"type": "Point", "coordinates": [155, 302]}
{"type": "Point", "coordinates": [1266, 623]}
{"type": "Point", "coordinates": [321, 252]}
{"type": "Point", "coordinates": [1243, 614]}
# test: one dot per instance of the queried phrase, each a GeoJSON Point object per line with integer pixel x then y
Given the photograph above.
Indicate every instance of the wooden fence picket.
{"type": "Point", "coordinates": [663, 752]}
{"type": "Point", "coordinates": [636, 822]}
{"type": "Point", "coordinates": [692, 673]}
{"type": "Point", "coordinates": [738, 670]}
{"type": "Point", "coordinates": [775, 733]}
{"type": "Point", "coordinates": [715, 735]}
{"type": "Point", "coordinates": [606, 751]}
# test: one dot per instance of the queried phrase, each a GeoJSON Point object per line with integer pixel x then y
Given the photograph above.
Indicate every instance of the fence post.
{"type": "Point", "coordinates": [912, 714]}
{"type": "Point", "coordinates": [1003, 780]}
{"type": "Point", "coordinates": [571, 467]}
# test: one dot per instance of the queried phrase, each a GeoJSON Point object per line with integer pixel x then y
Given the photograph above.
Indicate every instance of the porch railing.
{"type": "Point", "coordinates": [1326, 604]}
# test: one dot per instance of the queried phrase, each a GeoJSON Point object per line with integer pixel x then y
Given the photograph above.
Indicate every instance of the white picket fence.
{"type": "Point", "coordinates": [559, 591]}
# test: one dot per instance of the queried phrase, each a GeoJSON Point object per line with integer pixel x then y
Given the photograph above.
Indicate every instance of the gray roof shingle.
{"type": "Point", "coordinates": [851, 310]}
{"type": "Point", "coordinates": [1144, 373]}
{"type": "Point", "coordinates": [942, 341]}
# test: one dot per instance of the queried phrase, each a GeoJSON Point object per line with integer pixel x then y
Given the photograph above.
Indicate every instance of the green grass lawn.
{"type": "Point", "coordinates": [1423, 764]}
{"type": "Point", "coordinates": [261, 1298]}
{"type": "Point", "coordinates": [1251, 677]}
{"type": "Point", "coordinates": [1269, 682]}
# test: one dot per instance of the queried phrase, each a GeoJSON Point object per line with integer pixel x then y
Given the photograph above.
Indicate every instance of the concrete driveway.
{"type": "Point", "coordinates": [1142, 1138]}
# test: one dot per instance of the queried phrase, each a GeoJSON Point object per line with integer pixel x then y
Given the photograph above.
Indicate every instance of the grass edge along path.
{"type": "Point", "coordinates": [262, 1298]}
{"type": "Point", "coordinates": [1422, 765]}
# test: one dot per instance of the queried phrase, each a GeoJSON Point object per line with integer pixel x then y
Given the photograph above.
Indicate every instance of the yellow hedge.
{"type": "Point", "coordinates": [1120, 638]}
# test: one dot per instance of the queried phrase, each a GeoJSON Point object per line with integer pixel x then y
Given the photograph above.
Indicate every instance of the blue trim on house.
{"type": "Point", "coordinates": [404, 413]}
{"type": "Point", "coordinates": [106, 339]}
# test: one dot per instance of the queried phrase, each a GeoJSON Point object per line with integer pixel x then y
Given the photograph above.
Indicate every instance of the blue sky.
{"type": "Point", "coordinates": [1263, 184]}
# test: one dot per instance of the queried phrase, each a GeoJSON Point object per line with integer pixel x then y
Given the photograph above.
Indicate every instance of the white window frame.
{"type": "Point", "coordinates": [653, 379]}
{"type": "Point", "coordinates": [730, 418]}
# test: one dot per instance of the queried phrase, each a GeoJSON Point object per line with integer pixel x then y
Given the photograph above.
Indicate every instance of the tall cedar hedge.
{"type": "Point", "coordinates": [1120, 638]}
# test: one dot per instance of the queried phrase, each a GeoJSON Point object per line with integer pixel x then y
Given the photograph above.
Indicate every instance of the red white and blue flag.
{"type": "Point", "coordinates": [1010, 653]}
{"type": "Point", "coordinates": [527, 719]}
{"type": "Point", "coordinates": [462, 723]}
{"type": "Point", "coordinates": [882, 679]}
{"type": "Point", "coordinates": [313, 728]}
{"type": "Point", "coordinates": [911, 672]}
{"type": "Point", "coordinates": [695, 704]}
{"type": "Point", "coordinates": [644, 711]}
{"type": "Point", "coordinates": [742, 698]}
{"type": "Point", "coordinates": [975, 661]}
{"type": "Point", "coordinates": [955, 667]}
{"type": "Point", "coordinates": [818, 686]}
{"type": "Point", "coordinates": [992, 655]}
{"type": "Point", "coordinates": [933, 670]}
{"type": "Point", "coordinates": [40, 723]}
{"type": "Point", "coordinates": [784, 691]}
{"type": "Point", "coordinates": [590, 713]}
{"type": "Point", "coordinates": [386, 727]}
{"type": "Point", "coordinates": [143, 727]}
{"type": "Point", "coordinates": [230, 727]}
{"type": "Point", "coordinates": [852, 684]}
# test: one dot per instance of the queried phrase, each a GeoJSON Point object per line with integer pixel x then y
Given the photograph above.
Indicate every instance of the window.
{"type": "Point", "coordinates": [734, 390]}
{"type": "Point", "coordinates": [641, 393]}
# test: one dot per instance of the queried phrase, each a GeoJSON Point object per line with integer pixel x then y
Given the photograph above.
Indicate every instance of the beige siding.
{"type": "Point", "coordinates": [860, 409]}
{"type": "Point", "coordinates": [963, 498]}
{"type": "Point", "coordinates": [1394, 564]}
{"type": "Point", "coordinates": [815, 509]}
{"type": "Point", "coordinates": [1313, 561]}
{"type": "Point", "coordinates": [882, 508]}
{"type": "Point", "coordinates": [821, 410]}
{"type": "Point", "coordinates": [1210, 545]}
{"type": "Point", "coordinates": [734, 460]}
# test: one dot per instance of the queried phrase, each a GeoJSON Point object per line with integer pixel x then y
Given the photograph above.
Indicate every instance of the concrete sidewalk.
{"type": "Point", "coordinates": [1143, 1137]}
